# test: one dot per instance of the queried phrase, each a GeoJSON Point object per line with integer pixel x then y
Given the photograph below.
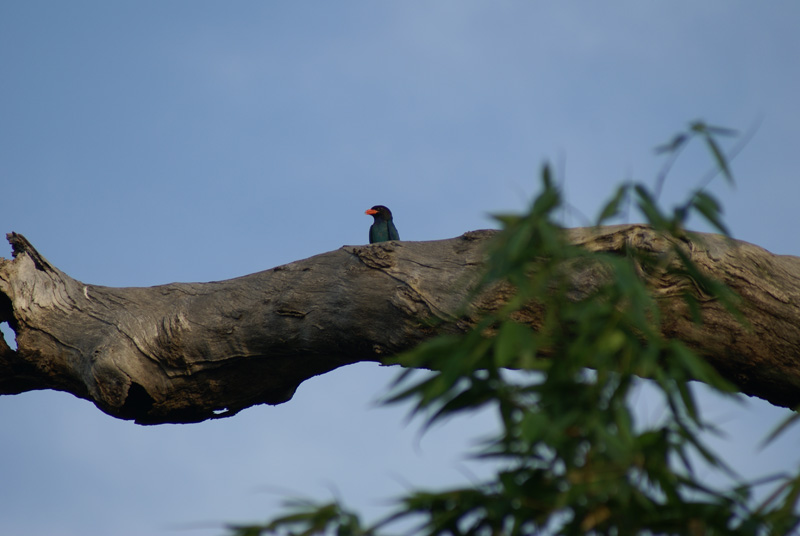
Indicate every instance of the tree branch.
{"type": "Point", "coordinates": [186, 352]}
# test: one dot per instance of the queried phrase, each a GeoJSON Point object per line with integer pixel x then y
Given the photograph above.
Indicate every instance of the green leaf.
{"type": "Point", "coordinates": [650, 209]}
{"type": "Point", "coordinates": [721, 131]}
{"type": "Point", "coordinates": [677, 142]}
{"type": "Point", "coordinates": [514, 345]}
{"type": "Point", "coordinates": [719, 157]}
{"type": "Point", "coordinates": [708, 133]}
{"type": "Point", "coordinates": [782, 427]}
{"type": "Point", "coordinates": [612, 208]}
{"type": "Point", "coordinates": [711, 210]}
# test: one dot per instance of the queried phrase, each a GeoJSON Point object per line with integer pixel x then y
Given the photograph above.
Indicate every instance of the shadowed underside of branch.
{"type": "Point", "coordinates": [186, 352]}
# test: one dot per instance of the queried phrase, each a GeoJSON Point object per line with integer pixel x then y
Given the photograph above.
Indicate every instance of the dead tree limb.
{"type": "Point", "coordinates": [186, 352]}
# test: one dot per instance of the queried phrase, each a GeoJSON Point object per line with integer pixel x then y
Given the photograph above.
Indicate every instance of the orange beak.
{"type": "Point", "coordinates": [371, 212]}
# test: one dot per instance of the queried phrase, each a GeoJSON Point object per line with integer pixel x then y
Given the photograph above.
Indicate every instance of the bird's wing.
{"type": "Point", "coordinates": [393, 234]}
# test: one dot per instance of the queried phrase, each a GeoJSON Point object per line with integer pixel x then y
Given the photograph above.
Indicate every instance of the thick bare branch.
{"type": "Point", "coordinates": [186, 352]}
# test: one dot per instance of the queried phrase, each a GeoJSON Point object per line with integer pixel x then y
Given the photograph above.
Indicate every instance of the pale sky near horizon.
{"type": "Point", "coordinates": [148, 142]}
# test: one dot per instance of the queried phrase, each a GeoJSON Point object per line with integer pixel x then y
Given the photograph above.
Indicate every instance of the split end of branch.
{"type": "Point", "coordinates": [21, 246]}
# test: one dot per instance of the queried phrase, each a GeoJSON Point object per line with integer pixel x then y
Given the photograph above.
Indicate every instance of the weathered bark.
{"type": "Point", "coordinates": [186, 352]}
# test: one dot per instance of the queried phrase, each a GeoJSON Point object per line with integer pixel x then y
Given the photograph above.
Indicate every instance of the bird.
{"type": "Point", "coordinates": [382, 229]}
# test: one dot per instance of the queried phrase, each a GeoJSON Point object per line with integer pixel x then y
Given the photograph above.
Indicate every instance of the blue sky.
{"type": "Point", "coordinates": [148, 142]}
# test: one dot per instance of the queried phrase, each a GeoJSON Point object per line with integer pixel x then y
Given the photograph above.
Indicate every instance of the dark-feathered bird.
{"type": "Point", "coordinates": [382, 229]}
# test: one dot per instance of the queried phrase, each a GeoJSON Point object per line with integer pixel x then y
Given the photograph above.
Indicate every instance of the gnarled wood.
{"type": "Point", "coordinates": [186, 352]}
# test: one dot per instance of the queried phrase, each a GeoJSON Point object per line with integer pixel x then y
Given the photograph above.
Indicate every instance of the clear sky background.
{"type": "Point", "coordinates": [148, 142]}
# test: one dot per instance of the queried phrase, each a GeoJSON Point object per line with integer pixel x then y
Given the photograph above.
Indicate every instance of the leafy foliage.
{"type": "Point", "coordinates": [307, 519]}
{"type": "Point", "coordinates": [573, 459]}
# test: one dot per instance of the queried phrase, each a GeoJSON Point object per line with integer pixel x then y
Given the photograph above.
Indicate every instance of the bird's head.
{"type": "Point", "coordinates": [379, 212]}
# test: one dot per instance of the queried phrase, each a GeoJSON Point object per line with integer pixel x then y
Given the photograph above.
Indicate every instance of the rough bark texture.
{"type": "Point", "coordinates": [186, 352]}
